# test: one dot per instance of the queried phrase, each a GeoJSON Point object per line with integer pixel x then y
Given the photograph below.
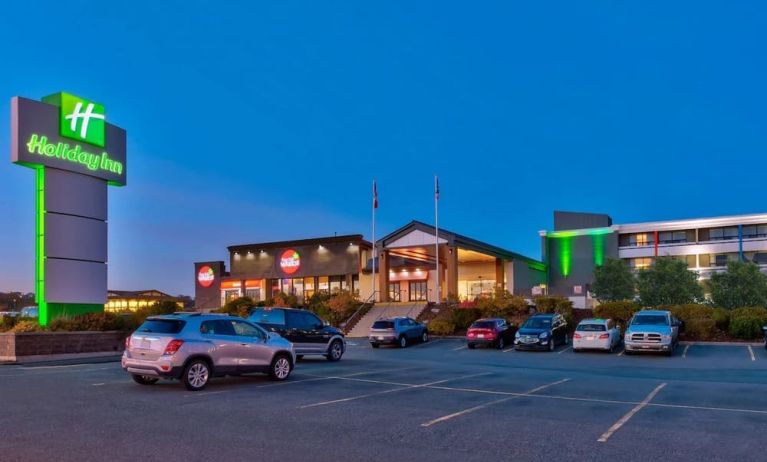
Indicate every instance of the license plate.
{"type": "Point", "coordinates": [590, 337]}
{"type": "Point", "coordinates": [380, 338]}
{"type": "Point", "coordinates": [646, 347]}
{"type": "Point", "coordinates": [480, 335]}
{"type": "Point", "coordinates": [145, 344]}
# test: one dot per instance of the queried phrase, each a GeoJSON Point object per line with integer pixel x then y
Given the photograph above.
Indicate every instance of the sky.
{"type": "Point", "coordinates": [263, 121]}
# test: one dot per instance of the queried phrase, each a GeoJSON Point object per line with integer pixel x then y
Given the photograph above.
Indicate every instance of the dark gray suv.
{"type": "Point", "coordinates": [193, 347]}
{"type": "Point", "coordinates": [397, 331]}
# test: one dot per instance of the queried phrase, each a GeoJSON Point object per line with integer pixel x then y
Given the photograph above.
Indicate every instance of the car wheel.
{"type": "Point", "coordinates": [628, 352]}
{"type": "Point", "coordinates": [144, 379]}
{"type": "Point", "coordinates": [403, 342]}
{"type": "Point", "coordinates": [425, 337]}
{"type": "Point", "coordinates": [470, 346]}
{"type": "Point", "coordinates": [501, 343]}
{"type": "Point", "coordinates": [299, 357]}
{"type": "Point", "coordinates": [196, 375]}
{"type": "Point", "coordinates": [280, 369]}
{"type": "Point", "coordinates": [335, 351]}
{"type": "Point", "coordinates": [375, 345]}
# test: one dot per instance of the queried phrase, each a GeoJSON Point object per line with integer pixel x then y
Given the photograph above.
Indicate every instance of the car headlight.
{"type": "Point", "coordinates": [543, 335]}
{"type": "Point", "coordinates": [516, 335]}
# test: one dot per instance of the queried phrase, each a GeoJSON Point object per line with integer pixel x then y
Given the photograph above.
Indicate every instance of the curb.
{"type": "Point", "coordinates": [743, 344]}
{"type": "Point", "coordinates": [65, 359]}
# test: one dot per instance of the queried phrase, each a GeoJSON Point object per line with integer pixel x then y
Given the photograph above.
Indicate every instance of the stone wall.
{"type": "Point", "coordinates": [16, 345]}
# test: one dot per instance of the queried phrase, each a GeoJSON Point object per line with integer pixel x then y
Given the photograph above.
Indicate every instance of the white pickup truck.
{"type": "Point", "coordinates": [652, 330]}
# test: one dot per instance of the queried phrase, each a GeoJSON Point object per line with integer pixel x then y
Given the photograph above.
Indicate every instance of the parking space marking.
{"type": "Point", "coordinates": [430, 342]}
{"type": "Point", "coordinates": [622, 352]}
{"type": "Point", "coordinates": [497, 401]}
{"type": "Point", "coordinates": [463, 347]}
{"type": "Point", "coordinates": [751, 352]}
{"type": "Point", "coordinates": [622, 421]}
{"type": "Point", "coordinates": [508, 349]}
{"type": "Point", "coordinates": [684, 353]}
{"type": "Point", "coordinates": [99, 384]}
{"type": "Point", "coordinates": [392, 390]}
{"type": "Point", "coordinates": [563, 350]}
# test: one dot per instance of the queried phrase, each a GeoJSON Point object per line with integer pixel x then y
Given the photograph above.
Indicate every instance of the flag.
{"type": "Point", "coordinates": [375, 195]}
{"type": "Point", "coordinates": [436, 188]}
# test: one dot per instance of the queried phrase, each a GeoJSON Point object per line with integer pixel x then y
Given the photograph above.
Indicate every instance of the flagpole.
{"type": "Point", "coordinates": [436, 234]}
{"type": "Point", "coordinates": [375, 250]}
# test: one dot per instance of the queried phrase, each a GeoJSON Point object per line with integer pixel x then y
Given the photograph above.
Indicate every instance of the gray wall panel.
{"type": "Point", "coordinates": [71, 281]}
{"type": "Point", "coordinates": [78, 238]}
{"type": "Point", "coordinates": [75, 194]}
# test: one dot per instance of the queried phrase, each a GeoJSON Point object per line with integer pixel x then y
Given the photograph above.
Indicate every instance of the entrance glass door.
{"type": "Point", "coordinates": [418, 291]}
{"type": "Point", "coordinates": [394, 292]}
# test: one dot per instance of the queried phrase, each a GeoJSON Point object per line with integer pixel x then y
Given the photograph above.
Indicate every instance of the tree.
{"type": "Point", "coordinates": [613, 281]}
{"type": "Point", "coordinates": [741, 285]}
{"type": "Point", "coordinates": [502, 304]}
{"type": "Point", "coordinates": [668, 282]}
{"type": "Point", "coordinates": [237, 307]}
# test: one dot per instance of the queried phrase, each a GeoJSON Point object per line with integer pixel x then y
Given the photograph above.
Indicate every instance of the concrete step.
{"type": "Point", "coordinates": [386, 310]}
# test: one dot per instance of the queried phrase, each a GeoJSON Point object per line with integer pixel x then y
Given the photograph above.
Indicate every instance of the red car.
{"type": "Point", "coordinates": [493, 332]}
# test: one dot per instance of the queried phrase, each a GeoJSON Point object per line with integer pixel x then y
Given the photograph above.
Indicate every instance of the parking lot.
{"type": "Point", "coordinates": [433, 401]}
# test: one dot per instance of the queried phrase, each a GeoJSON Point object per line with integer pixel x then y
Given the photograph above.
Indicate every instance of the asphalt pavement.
{"type": "Point", "coordinates": [433, 401]}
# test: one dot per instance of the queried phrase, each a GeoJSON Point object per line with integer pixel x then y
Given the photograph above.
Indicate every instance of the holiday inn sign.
{"type": "Point", "coordinates": [75, 153]}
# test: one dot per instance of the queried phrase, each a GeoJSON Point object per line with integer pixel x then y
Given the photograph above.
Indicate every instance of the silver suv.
{"type": "Point", "coordinates": [193, 347]}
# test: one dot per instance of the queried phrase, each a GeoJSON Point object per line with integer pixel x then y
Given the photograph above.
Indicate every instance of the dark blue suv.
{"type": "Point", "coordinates": [397, 331]}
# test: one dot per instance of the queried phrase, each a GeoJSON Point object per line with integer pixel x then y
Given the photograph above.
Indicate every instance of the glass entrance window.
{"type": "Point", "coordinates": [298, 287]}
{"type": "Point", "coordinates": [322, 284]}
{"type": "Point", "coordinates": [394, 292]}
{"type": "Point", "coordinates": [253, 293]}
{"type": "Point", "coordinates": [308, 287]}
{"type": "Point", "coordinates": [335, 283]}
{"type": "Point", "coordinates": [475, 288]}
{"type": "Point", "coordinates": [418, 291]}
{"type": "Point", "coordinates": [228, 295]}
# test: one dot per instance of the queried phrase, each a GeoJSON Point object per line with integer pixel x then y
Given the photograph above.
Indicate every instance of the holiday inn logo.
{"type": "Point", "coordinates": [80, 119]}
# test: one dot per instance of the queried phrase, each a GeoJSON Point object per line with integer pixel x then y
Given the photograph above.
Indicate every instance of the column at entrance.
{"type": "Point", "coordinates": [383, 276]}
{"type": "Point", "coordinates": [451, 257]}
{"type": "Point", "coordinates": [499, 274]}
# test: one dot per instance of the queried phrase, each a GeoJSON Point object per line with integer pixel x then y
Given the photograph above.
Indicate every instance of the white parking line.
{"type": "Point", "coordinates": [428, 343]}
{"type": "Point", "coordinates": [751, 352]}
{"type": "Point", "coordinates": [482, 406]}
{"type": "Point", "coordinates": [402, 387]}
{"type": "Point", "coordinates": [563, 350]}
{"type": "Point", "coordinates": [622, 352]}
{"type": "Point", "coordinates": [98, 384]}
{"type": "Point", "coordinates": [622, 421]}
{"type": "Point", "coordinates": [508, 349]}
{"type": "Point", "coordinates": [459, 348]}
{"type": "Point", "coordinates": [684, 353]}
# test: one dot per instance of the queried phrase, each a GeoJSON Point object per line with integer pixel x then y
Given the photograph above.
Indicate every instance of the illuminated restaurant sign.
{"type": "Point", "coordinates": [290, 261]}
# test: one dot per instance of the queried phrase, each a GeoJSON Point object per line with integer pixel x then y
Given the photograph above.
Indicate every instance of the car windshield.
{"type": "Point", "coordinates": [650, 320]}
{"type": "Point", "coordinates": [591, 328]}
{"type": "Point", "coordinates": [267, 316]}
{"type": "Point", "coordinates": [537, 323]}
{"type": "Point", "coordinates": [483, 325]}
{"type": "Point", "coordinates": [162, 326]}
{"type": "Point", "coordinates": [383, 325]}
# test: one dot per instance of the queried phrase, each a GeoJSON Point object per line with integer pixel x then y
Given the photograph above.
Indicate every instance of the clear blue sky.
{"type": "Point", "coordinates": [268, 122]}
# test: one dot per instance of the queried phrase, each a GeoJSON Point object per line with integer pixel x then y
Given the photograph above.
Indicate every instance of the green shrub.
{"type": "Point", "coordinates": [462, 318]}
{"type": "Point", "coordinates": [237, 307]}
{"type": "Point", "coordinates": [502, 304]}
{"type": "Point", "coordinates": [555, 304]}
{"type": "Point", "coordinates": [620, 312]}
{"type": "Point", "coordinates": [700, 329]}
{"type": "Point", "coordinates": [721, 317]}
{"type": "Point", "coordinates": [26, 326]}
{"type": "Point", "coordinates": [746, 328]}
{"type": "Point", "coordinates": [746, 323]}
{"type": "Point", "coordinates": [91, 322]}
{"type": "Point", "coordinates": [441, 327]}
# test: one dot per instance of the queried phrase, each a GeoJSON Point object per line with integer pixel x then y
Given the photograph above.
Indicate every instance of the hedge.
{"type": "Point", "coordinates": [747, 323]}
{"type": "Point", "coordinates": [441, 327]}
{"type": "Point", "coordinates": [620, 312]}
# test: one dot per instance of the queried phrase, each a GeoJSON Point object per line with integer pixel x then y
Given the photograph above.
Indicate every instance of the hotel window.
{"type": "Point", "coordinates": [672, 237]}
{"type": "Point", "coordinates": [723, 234]}
{"type": "Point", "coordinates": [752, 231]}
{"type": "Point", "coordinates": [721, 259]}
{"type": "Point", "coordinates": [689, 259]}
{"type": "Point", "coordinates": [640, 263]}
{"type": "Point", "coordinates": [640, 239]}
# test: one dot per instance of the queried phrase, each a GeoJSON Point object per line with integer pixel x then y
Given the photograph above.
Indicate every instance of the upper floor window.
{"type": "Point", "coordinates": [672, 237]}
{"type": "Point", "coordinates": [752, 231]}
{"type": "Point", "coordinates": [723, 234]}
{"type": "Point", "coordinates": [636, 240]}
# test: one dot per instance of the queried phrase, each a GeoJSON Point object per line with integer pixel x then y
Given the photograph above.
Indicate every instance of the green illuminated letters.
{"type": "Point", "coordinates": [40, 145]}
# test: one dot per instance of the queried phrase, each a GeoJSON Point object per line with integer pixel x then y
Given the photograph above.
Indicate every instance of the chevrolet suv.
{"type": "Point", "coordinates": [652, 330]}
{"type": "Point", "coordinates": [309, 334]}
{"type": "Point", "coordinates": [193, 347]}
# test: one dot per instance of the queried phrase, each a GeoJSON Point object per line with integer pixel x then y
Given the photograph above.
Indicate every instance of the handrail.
{"type": "Point", "coordinates": [365, 303]}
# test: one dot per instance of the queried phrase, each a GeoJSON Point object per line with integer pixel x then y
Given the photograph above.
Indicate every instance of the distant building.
{"type": "Point", "coordinates": [132, 300]}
